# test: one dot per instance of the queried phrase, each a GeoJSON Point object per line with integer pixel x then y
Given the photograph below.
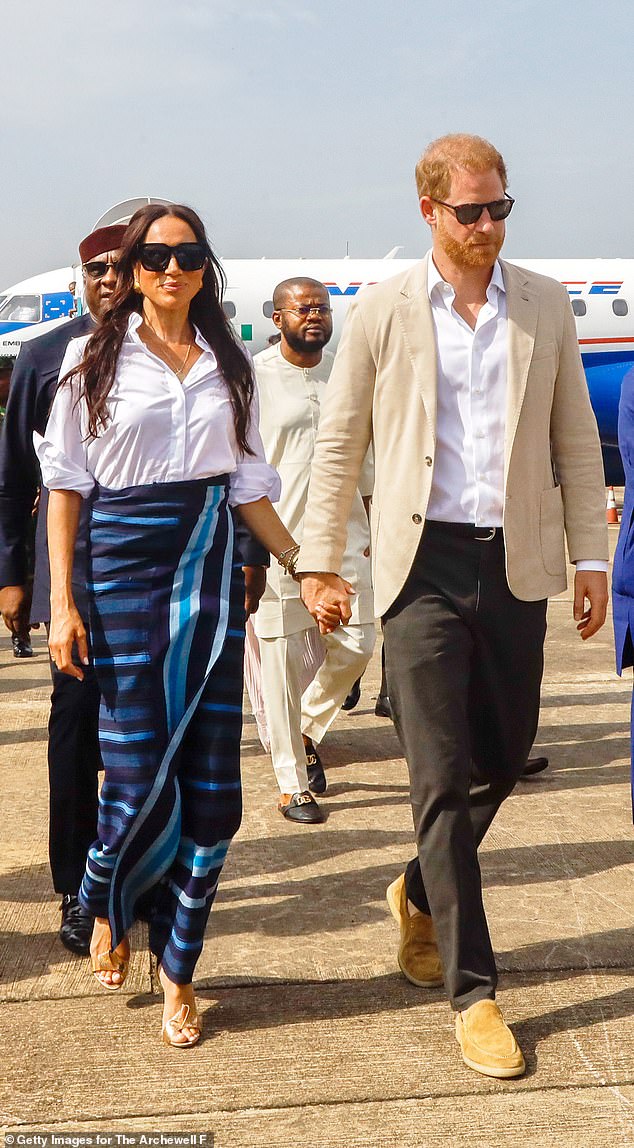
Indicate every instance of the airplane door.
{"type": "Point", "coordinates": [56, 304]}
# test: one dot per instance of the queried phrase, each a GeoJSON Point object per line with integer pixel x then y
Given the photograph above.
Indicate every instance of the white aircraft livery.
{"type": "Point", "coordinates": [601, 293]}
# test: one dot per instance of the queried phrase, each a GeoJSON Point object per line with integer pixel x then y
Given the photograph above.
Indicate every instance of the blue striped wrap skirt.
{"type": "Point", "coordinates": [167, 637]}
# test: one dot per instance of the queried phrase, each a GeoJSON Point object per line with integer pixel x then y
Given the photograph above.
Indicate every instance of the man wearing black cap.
{"type": "Point", "coordinates": [73, 748]}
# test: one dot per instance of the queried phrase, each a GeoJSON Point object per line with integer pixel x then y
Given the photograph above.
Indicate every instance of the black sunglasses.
{"type": "Point", "coordinates": [97, 269]}
{"type": "Point", "coordinates": [157, 256]}
{"type": "Point", "coordinates": [467, 213]}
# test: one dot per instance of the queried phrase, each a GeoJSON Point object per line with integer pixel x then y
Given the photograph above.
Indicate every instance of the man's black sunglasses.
{"type": "Point", "coordinates": [467, 213]}
{"type": "Point", "coordinates": [157, 256]}
{"type": "Point", "coordinates": [97, 269]}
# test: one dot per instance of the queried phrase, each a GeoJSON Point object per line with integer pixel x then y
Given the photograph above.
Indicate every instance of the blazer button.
{"type": "Point", "coordinates": [416, 518]}
{"type": "Point", "coordinates": [428, 460]}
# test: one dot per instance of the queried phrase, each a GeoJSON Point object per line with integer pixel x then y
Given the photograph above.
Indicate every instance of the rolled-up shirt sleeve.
{"type": "Point", "coordinates": [253, 478]}
{"type": "Point", "coordinates": [61, 451]}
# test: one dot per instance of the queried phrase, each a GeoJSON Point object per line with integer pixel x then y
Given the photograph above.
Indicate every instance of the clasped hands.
{"type": "Point", "coordinates": [327, 598]}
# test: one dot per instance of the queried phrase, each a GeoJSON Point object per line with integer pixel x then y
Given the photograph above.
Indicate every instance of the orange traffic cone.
{"type": "Point", "coordinates": [611, 513]}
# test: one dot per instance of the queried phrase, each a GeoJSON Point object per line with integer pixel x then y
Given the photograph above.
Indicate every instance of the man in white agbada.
{"type": "Point", "coordinates": [291, 378]}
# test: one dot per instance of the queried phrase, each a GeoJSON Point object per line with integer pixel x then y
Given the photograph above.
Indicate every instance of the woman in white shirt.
{"type": "Point", "coordinates": [155, 421]}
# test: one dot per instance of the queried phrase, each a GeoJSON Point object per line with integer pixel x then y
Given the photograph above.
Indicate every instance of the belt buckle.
{"type": "Point", "coordinates": [486, 537]}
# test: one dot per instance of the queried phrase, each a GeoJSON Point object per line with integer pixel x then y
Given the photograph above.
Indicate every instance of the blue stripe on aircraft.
{"type": "Point", "coordinates": [6, 328]}
{"type": "Point", "coordinates": [605, 288]}
{"type": "Point", "coordinates": [607, 358]}
{"type": "Point", "coordinates": [333, 289]}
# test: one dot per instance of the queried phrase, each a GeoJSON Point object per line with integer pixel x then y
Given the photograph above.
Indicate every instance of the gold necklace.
{"type": "Point", "coordinates": [166, 347]}
{"type": "Point", "coordinates": [184, 362]}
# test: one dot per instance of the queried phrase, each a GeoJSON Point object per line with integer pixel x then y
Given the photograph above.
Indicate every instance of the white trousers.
{"type": "Point", "coordinates": [289, 713]}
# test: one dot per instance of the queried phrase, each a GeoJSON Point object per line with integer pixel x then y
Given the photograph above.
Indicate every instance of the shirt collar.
{"type": "Point", "coordinates": [134, 322]}
{"type": "Point", "coordinates": [436, 281]}
{"type": "Point", "coordinates": [321, 370]}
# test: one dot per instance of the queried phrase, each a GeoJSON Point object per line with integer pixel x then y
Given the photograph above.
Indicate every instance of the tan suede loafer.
{"type": "Point", "coordinates": [487, 1043]}
{"type": "Point", "coordinates": [417, 951]}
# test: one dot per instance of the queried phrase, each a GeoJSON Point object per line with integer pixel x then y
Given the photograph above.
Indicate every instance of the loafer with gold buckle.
{"type": "Point", "coordinates": [316, 777]}
{"type": "Point", "coordinates": [300, 807]}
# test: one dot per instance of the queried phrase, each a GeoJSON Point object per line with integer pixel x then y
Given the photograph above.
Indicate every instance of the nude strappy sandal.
{"type": "Point", "coordinates": [109, 962]}
{"type": "Point", "coordinates": [177, 1024]}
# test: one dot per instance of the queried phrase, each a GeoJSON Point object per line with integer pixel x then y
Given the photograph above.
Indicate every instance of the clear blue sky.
{"type": "Point", "coordinates": [294, 127]}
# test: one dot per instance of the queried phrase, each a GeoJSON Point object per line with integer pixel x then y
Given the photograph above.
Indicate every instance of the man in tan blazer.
{"type": "Point", "coordinates": [465, 374]}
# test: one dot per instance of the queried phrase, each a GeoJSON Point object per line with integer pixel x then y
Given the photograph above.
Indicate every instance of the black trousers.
{"type": "Point", "coordinates": [464, 661]}
{"type": "Point", "coordinates": [73, 764]}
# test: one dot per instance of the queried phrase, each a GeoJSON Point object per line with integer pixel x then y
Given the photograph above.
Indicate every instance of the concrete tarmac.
{"type": "Point", "coordinates": [311, 1035]}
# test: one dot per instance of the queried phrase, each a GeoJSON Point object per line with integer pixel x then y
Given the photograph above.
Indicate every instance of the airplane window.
{"type": "Point", "coordinates": [229, 309]}
{"type": "Point", "coordinates": [579, 307]}
{"type": "Point", "coordinates": [2, 299]}
{"type": "Point", "coordinates": [21, 309]}
{"type": "Point", "coordinates": [267, 309]}
{"type": "Point", "coordinates": [619, 306]}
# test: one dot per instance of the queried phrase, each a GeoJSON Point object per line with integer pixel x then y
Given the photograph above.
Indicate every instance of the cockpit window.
{"type": "Point", "coordinates": [579, 307]}
{"type": "Point", "coordinates": [619, 306]}
{"type": "Point", "coordinates": [21, 309]}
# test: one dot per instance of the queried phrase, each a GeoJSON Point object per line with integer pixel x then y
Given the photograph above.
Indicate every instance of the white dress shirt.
{"type": "Point", "coordinates": [472, 367]}
{"type": "Point", "coordinates": [160, 429]}
{"type": "Point", "coordinates": [468, 480]}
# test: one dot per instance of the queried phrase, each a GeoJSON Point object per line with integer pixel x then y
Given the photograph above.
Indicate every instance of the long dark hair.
{"type": "Point", "coordinates": [98, 366]}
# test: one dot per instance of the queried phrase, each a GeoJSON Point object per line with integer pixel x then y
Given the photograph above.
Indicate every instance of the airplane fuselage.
{"type": "Point", "coordinates": [601, 293]}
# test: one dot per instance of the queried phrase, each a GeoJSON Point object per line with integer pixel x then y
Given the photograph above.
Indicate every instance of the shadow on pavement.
{"type": "Point", "coordinates": [19, 736]}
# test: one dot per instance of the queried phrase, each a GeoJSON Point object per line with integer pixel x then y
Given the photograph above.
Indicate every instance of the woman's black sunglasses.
{"type": "Point", "coordinates": [157, 256]}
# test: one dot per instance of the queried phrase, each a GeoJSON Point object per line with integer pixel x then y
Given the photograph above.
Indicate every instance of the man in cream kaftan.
{"type": "Point", "coordinates": [292, 377]}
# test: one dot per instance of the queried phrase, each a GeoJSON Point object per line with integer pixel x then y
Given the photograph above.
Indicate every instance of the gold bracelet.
{"type": "Point", "coordinates": [288, 560]}
{"type": "Point", "coordinates": [288, 556]}
{"type": "Point", "coordinates": [291, 550]}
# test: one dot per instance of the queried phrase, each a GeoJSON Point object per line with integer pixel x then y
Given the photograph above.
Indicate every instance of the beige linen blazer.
{"type": "Point", "coordinates": [383, 389]}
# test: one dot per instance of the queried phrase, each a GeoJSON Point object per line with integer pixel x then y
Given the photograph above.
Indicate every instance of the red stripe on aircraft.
{"type": "Point", "coordinates": [625, 339]}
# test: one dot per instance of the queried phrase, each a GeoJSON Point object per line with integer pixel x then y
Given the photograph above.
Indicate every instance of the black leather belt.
{"type": "Point", "coordinates": [465, 530]}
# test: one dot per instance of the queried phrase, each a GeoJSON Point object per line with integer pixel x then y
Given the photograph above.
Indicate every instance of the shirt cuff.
{"type": "Point", "coordinates": [252, 481]}
{"type": "Point", "coordinates": [598, 564]}
{"type": "Point", "coordinates": [59, 472]}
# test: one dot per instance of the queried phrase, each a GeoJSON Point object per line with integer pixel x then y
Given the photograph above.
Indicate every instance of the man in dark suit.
{"type": "Point", "coordinates": [73, 748]}
{"type": "Point", "coordinates": [623, 569]}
